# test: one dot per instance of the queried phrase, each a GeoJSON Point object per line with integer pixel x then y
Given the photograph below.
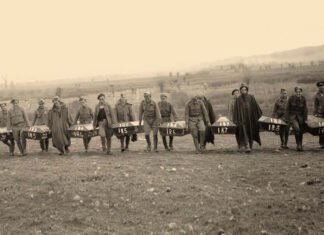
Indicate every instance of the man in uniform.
{"type": "Point", "coordinates": [149, 112]}
{"type": "Point", "coordinates": [41, 118]}
{"type": "Point", "coordinates": [235, 95]}
{"type": "Point", "coordinates": [124, 113]}
{"type": "Point", "coordinates": [195, 117]}
{"type": "Point", "coordinates": [319, 107]}
{"type": "Point", "coordinates": [84, 116]}
{"type": "Point", "coordinates": [167, 110]}
{"type": "Point", "coordinates": [9, 141]}
{"type": "Point", "coordinates": [279, 112]}
{"type": "Point", "coordinates": [17, 120]}
{"type": "Point", "coordinates": [296, 114]}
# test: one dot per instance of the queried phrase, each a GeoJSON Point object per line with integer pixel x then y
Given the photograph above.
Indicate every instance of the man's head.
{"type": "Point", "coordinates": [14, 102]}
{"type": "Point", "coordinates": [244, 89]}
{"type": "Point", "coordinates": [123, 99]}
{"type": "Point", "coordinates": [320, 86]}
{"type": "Point", "coordinates": [56, 101]}
{"type": "Point", "coordinates": [101, 97]}
{"type": "Point", "coordinates": [147, 96]}
{"type": "Point", "coordinates": [3, 106]}
{"type": "Point", "coordinates": [164, 97]}
{"type": "Point", "coordinates": [283, 93]}
{"type": "Point", "coordinates": [41, 103]}
{"type": "Point", "coordinates": [82, 101]}
{"type": "Point", "coordinates": [298, 91]}
{"type": "Point", "coordinates": [235, 93]}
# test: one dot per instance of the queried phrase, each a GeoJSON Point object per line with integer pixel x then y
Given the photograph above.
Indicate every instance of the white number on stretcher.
{"type": "Point", "coordinates": [170, 131]}
{"type": "Point", "coordinates": [321, 131]}
{"type": "Point", "coordinates": [122, 130]}
{"type": "Point", "coordinates": [222, 130]}
{"type": "Point", "coordinates": [31, 135]}
{"type": "Point", "coordinates": [273, 127]}
{"type": "Point", "coordinates": [172, 124]}
{"type": "Point", "coordinates": [32, 129]}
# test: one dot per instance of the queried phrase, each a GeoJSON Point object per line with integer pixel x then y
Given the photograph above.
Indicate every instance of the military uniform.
{"type": "Point", "coordinates": [124, 113]}
{"type": "Point", "coordinates": [296, 115]}
{"type": "Point", "coordinates": [104, 117]}
{"type": "Point", "coordinates": [279, 112]}
{"type": "Point", "coordinates": [167, 110]}
{"type": "Point", "coordinates": [17, 120]}
{"type": "Point", "coordinates": [149, 112]}
{"type": "Point", "coordinates": [319, 111]}
{"type": "Point", "coordinates": [195, 116]}
{"type": "Point", "coordinates": [41, 118]}
{"type": "Point", "coordinates": [84, 116]}
{"type": "Point", "coordinates": [9, 141]}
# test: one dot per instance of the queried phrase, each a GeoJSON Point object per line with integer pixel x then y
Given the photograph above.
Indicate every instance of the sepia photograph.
{"type": "Point", "coordinates": [160, 117]}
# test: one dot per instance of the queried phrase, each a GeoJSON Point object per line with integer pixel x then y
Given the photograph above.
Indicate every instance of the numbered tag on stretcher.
{"type": "Point", "coordinates": [83, 130]}
{"type": "Point", "coordinates": [271, 124]}
{"type": "Point", "coordinates": [37, 132]}
{"type": "Point", "coordinates": [127, 128]}
{"type": "Point", "coordinates": [173, 128]}
{"type": "Point", "coordinates": [315, 125]}
{"type": "Point", "coordinates": [223, 126]}
{"type": "Point", "coordinates": [5, 133]}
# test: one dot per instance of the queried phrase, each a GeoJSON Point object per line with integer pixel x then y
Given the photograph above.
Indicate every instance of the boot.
{"type": "Point", "coordinates": [122, 148]}
{"type": "Point", "coordinates": [202, 141]}
{"type": "Point", "coordinates": [155, 143]}
{"type": "Point", "coordinates": [46, 145]}
{"type": "Point", "coordinates": [109, 146]}
{"type": "Point", "coordinates": [103, 144]}
{"type": "Point", "coordinates": [301, 142]}
{"type": "Point", "coordinates": [42, 143]}
{"type": "Point", "coordinates": [66, 149]}
{"type": "Point", "coordinates": [165, 143]}
{"type": "Point", "coordinates": [127, 142]}
{"type": "Point", "coordinates": [286, 139]}
{"type": "Point", "coordinates": [282, 139]}
{"type": "Point", "coordinates": [12, 148]}
{"type": "Point", "coordinates": [297, 141]}
{"type": "Point", "coordinates": [148, 141]}
{"type": "Point", "coordinates": [171, 143]}
{"type": "Point", "coordinates": [85, 144]}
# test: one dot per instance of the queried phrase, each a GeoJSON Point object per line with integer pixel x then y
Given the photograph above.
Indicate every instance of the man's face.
{"type": "Point", "coordinates": [41, 105]}
{"type": "Point", "coordinates": [284, 94]}
{"type": "Point", "coordinates": [236, 94]}
{"type": "Point", "coordinates": [147, 97]}
{"type": "Point", "coordinates": [299, 93]}
{"type": "Point", "coordinates": [3, 107]}
{"type": "Point", "coordinates": [15, 103]}
{"type": "Point", "coordinates": [321, 88]}
{"type": "Point", "coordinates": [83, 102]}
{"type": "Point", "coordinates": [102, 100]}
{"type": "Point", "coordinates": [164, 98]}
{"type": "Point", "coordinates": [244, 90]}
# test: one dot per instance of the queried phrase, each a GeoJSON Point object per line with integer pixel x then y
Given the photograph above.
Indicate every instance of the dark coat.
{"type": "Point", "coordinates": [209, 137]}
{"type": "Point", "coordinates": [246, 115]}
{"type": "Point", "coordinates": [111, 117]}
{"type": "Point", "coordinates": [296, 109]}
{"type": "Point", "coordinates": [319, 104]}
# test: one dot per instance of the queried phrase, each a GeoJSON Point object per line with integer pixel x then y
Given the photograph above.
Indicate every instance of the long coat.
{"type": "Point", "coordinates": [246, 115]}
{"type": "Point", "coordinates": [296, 109]}
{"type": "Point", "coordinates": [209, 137]}
{"type": "Point", "coordinates": [59, 120]}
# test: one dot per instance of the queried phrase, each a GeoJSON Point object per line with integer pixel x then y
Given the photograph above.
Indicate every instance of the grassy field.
{"type": "Point", "coordinates": [266, 192]}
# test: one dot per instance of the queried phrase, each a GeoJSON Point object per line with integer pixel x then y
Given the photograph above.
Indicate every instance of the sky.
{"type": "Point", "coordinates": [43, 39]}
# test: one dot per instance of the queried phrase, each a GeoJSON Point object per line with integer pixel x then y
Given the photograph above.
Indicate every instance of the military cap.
{"type": "Point", "coordinates": [55, 98]}
{"type": "Point", "coordinates": [100, 95]}
{"type": "Point", "coordinates": [41, 101]}
{"type": "Point", "coordinates": [234, 91]}
{"type": "Point", "coordinates": [282, 90]}
{"type": "Point", "coordinates": [147, 93]}
{"type": "Point", "coordinates": [319, 84]}
{"type": "Point", "coordinates": [122, 96]}
{"type": "Point", "coordinates": [13, 100]}
{"type": "Point", "coordinates": [82, 98]}
{"type": "Point", "coordinates": [244, 85]}
{"type": "Point", "coordinates": [298, 88]}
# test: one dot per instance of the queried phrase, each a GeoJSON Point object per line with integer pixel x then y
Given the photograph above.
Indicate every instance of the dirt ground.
{"type": "Point", "coordinates": [266, 192]}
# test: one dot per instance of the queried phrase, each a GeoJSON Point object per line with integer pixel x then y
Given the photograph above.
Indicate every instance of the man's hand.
{"type": "Point", "coordinates": [208, 124]}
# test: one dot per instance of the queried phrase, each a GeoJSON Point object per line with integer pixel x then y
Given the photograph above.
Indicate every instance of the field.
{"type": "Point", "coordinates": [266, 192]}
{"type": "Point", "coordinates": [221, 192]}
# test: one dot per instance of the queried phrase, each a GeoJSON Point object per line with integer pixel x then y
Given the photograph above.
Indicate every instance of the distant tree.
{"type": "Point", "coordinates": [59, 91]}
{"type": "Point", "coordinates": [161, 85]}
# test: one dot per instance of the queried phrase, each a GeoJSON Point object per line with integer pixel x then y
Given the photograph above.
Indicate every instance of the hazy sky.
{"type": "Point", "coordinates": [43, 39]}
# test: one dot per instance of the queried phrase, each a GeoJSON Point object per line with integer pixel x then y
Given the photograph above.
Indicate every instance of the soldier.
{"type": "Point", "coordinates": [59, 121]}
{"type": "Point", "coordinates": [296, 114]}
{"type": "Point", "coordinates": [246, 115]}
{"type": "Point", "coordinates": [104, 117]}
{"type": "Point", "coordinates": [167, 110]}
{"type": "Point", "coordinates": [9, 141]}
{"type": "Point", "coordinates": [84, 116]}
{"type": "Point", "coordinates": [279, 110]}
{"type": "Point", "coordinates": [124, 113]}
{"type": "Point", "coordinates": [319, 107]}
{"type": "Point", "coordinates": [41, 118]}
{"type": "Point", "coordinates": [195, 117]}
{"type": "Point", "coordinates": [17, 120]}
{"type": "Point", "coordinates": [149, 112]}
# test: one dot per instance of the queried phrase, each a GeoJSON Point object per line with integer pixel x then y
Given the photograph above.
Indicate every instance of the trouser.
{"type": "Point", "coordinates": [105, 133]}
{"type": "Point", "coordinates": [124, 140]}
{"type": "Point", "coordinates": [86, 141]}
{"type": "Point", "coordinates": [197, 128]}
{"type": "Point", "coordinates": [284, 135]}
{"type": "Point", "coordinates": [165, 143]}
{"type": "Point", "coordinates": [321, 140]}
{"type": "Point", "coordinates": [151, 124]}
{"type": "Point", "coordinates": [44, 144]}
{"type": "Point", "coordinates": [297, 127]}
{"type": "Point", "coordinates": [10, 142]}
{"type": "Point", "coordinates": [19, 138]}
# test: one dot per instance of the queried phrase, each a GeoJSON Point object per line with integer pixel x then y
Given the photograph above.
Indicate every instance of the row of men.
{"type": "Point", "coordinates": [244, 111]}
